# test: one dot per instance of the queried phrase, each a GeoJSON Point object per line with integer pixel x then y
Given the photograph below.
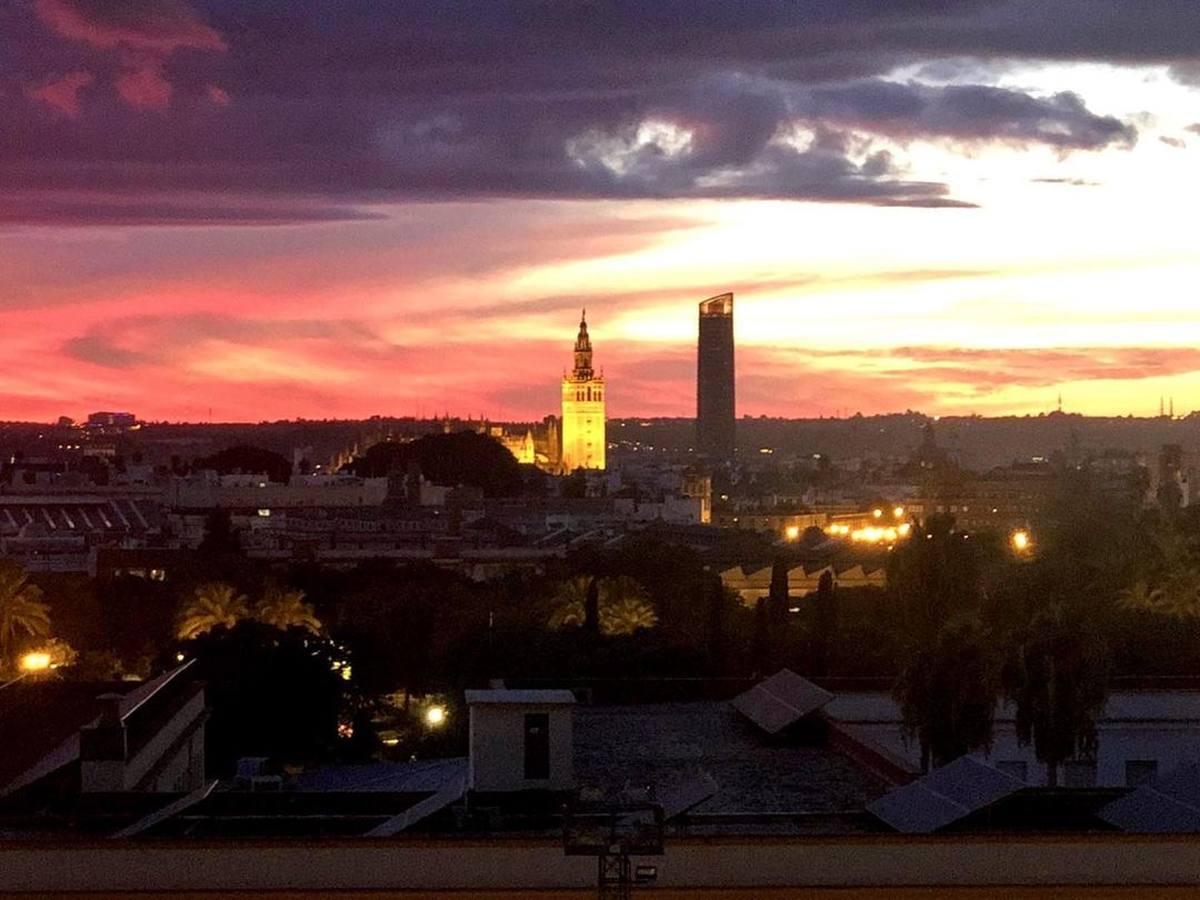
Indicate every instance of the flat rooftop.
{"type": "Point", "coordinates": [620, 750]}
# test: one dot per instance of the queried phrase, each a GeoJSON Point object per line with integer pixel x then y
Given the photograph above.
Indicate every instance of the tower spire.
{"type": "Point", "coordinates": [583, 351]}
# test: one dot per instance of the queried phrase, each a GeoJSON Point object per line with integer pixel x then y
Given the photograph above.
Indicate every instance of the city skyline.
{"type": "Point", "coordinates": [973, 211]}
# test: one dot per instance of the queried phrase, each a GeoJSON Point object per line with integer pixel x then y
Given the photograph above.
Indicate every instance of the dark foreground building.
{"type": "Point", "coordinates": [786, 789]}
{"type": "Point", "coordinates": [715, 408]}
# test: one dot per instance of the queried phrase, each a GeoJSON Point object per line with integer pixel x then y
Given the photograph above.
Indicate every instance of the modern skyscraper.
{"type": "Point", "coordinates": [715, 406]}
{"type": "Point", "coordinates": [583, 435]}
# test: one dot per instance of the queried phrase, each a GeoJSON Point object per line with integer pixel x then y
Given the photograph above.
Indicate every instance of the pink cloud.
{"type": "Point", "coordinates": [158, 26]}
{"type": "Point", "coordinates": [62, 94]}
{"type": "Point", "coordinates": [144, 33]}
{"type": "Point", "coordinates": [145, 88]}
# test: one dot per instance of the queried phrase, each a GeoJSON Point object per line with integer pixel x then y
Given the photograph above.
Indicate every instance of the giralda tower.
{"type": "Point", "coordinates": [583, 435]}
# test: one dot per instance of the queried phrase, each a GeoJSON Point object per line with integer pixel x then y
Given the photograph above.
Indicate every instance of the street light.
{"type": "Point", "coordinates": [37, 661]}
{"type": "Point", "coordinates": [1020, 541]}
{"type": "Point", "coordinates": [435, 716]}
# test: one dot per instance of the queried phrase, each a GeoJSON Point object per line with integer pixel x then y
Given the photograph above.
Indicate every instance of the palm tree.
{"type": "Point", "coordinates": [1141, 597]}
{"type": "Point", "coordinates": [21, 608]}
{"type": "Point", "coordinates": [214, 605]}
{"type": "Point", "coordinates": [622, 587]}
{"type": "Point", "coordinates": [624, 606]}
{"type": "Point", "coordinates": [283, 608]}
{"type": "Point", "coordinates": [570, 602]}
{"type": "Point", "coordinates": [1178, 598]}
{"type": "Point", "coordinates": [627, 615]}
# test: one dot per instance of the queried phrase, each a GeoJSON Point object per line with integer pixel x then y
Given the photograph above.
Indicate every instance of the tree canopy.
{"type": "Point", "coordinates": [464, 457]}
{"type": "Point", "coordinates": [248, 460]}
{"type": "Point", "coordinates": [272, 693]}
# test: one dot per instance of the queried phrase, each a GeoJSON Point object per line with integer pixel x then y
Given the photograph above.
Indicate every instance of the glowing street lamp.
{"type": "Point", "coordinates": [37, 661]}
{"type": "Point", "coordinates": [792, 532]}
{"type": "Point", "coordinates": [1021, 541]}
{"type": "Point", "coordinates": [435, 716]}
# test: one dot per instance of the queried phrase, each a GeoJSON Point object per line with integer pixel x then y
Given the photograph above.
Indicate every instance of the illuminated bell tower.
{"type": "Point", "coordinates": [583, 436]}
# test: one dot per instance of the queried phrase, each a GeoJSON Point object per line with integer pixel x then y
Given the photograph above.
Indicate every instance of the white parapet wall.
{"type": "Point", "coordinates": [41, 868]}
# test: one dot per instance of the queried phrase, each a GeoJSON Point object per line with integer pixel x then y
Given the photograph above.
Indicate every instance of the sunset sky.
{"type": "Point", "coordinates": [260, 209]}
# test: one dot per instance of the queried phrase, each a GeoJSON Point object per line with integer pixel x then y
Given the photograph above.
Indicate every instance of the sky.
{"type": "Point", "coordinates": [264, 209]}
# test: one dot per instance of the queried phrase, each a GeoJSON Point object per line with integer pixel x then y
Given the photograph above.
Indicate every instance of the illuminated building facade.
{"type": "Point", "coordinates": [583, 433]}
{"type": "Point", "coordinates": [521, 444]}
{"type": "Point", "coordinates": [715, 407]}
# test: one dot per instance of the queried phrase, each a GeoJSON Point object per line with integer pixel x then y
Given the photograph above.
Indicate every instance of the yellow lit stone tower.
{"type": "Point", "coordinates": [583, 437]}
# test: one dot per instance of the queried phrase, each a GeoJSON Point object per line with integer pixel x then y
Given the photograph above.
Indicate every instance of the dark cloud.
{"type": "Point", "coordinates": [136, 341]}
{"type": "Point", "coordinates": [82, 207]}
{"type": "Point", "coordinates": [1073, 182]}
{"type": "Point", "coordinates": [969, 113]}
{"type": "Point", "coordinates": [323, 108]}
{"type": "Point", "coordinates": [103, 351]}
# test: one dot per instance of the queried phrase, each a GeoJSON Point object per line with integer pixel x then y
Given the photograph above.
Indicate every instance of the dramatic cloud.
{"type": "Point", "coordinates": [142, 33]}
{"type": "Point", "coordinates": [969, 113]}
{"type": "Point", "coordinates": [328, 108]}
{"type": "Point", "coordinates": [155, 26]}
{"type": "Point", "coordinates": [425, 194]}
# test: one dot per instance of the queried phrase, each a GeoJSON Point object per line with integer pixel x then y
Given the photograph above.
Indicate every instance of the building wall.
{"type": "Point", "coordinates": [673, 510]}
{"type": "Point", "coordinates": [185, 494]}
{"type": "Point", "coordinates": [497, 748]}
{"type": "Point", "coordinates": [172, 759]}
{"type": "Point", "coordinates": [1125, 736]}
{"type": "Point", "coordinates": [1007, 866]}
{"type": "Point", "coordinates": [584, 440]}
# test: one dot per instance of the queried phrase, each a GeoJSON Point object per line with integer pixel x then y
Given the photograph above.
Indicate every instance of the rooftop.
{"type": "Point", "coordinates": [623, 750]}
{"type": "Point", "coordinates": [525, 697]}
